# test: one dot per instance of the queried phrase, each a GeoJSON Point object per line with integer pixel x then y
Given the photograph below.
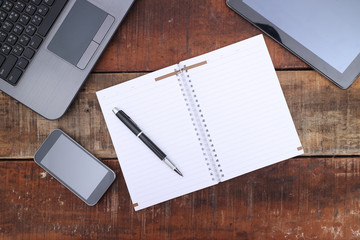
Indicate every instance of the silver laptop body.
{"type": "Point", "coordinates": [52, 80]}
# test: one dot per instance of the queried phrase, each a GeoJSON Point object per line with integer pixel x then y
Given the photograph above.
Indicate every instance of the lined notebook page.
{"type": "Point", "coordinates": [244, 108]}
{"type": "Point", "coordinates": [158, 108]}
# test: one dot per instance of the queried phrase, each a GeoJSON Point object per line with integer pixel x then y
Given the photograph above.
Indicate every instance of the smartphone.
{"type": "Point", "coordinates": [74, 167]}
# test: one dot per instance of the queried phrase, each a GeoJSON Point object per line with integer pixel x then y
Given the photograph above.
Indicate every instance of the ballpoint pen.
{"type": "Point", "coordinates": [138, 132]}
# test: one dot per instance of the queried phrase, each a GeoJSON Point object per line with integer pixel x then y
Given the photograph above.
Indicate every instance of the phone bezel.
{"type": "Point", "coordinates": [100, 188]}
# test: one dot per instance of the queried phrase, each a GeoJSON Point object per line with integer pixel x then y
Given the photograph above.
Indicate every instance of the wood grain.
{"type": "Point", "coordinates": [301, 198]}
{"type": "Point", "coordinates": [315, 196]}
{"type": "Point", "coordinates": [326, 117]}
{"type": "Point", "coordinates": [159, 33]}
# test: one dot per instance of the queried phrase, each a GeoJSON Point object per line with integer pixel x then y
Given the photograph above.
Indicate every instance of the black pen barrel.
{"type": "Point", "coordinates": [152, 146]}
{"type": "Point", "coordinates": [128, 122]}
{"type": "Point", "coordinates": [137, 131]}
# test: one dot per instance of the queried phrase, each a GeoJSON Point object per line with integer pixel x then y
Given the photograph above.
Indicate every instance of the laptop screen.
{"type": "Point", "coordinates": [328, 28]}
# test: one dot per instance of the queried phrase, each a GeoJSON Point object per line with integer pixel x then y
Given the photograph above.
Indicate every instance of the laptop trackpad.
{"type": "Point", "coordinates": [81, 33]}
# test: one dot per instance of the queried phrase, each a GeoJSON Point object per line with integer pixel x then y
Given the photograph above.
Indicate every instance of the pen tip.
{"type": "Point", "coordinates": [115, 110]}
{"type": "Point", "coordinates": [178, 172]}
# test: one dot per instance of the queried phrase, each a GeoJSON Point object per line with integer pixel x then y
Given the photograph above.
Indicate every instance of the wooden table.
{"type": "Point", "coordinates": [315, 196]}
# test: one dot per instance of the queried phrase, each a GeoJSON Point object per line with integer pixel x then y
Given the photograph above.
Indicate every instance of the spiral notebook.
{"type": "Point", "coordinates": [216, 116]}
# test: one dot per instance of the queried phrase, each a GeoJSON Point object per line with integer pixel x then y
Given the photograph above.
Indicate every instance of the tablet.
{"type": "Point", "coordinates": [323, 33]}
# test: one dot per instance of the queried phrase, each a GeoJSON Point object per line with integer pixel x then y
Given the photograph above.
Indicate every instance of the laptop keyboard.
{"type": "Point", "coordinates": [23, 26]}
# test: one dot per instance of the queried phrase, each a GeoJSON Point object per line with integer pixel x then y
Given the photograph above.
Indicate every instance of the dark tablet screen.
{"type": "Point", "coordinates": [324, 33]}
{"type": "Point", "coordinates": [332, 34]}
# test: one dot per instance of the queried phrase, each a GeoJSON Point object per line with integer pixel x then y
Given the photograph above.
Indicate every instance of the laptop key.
{"type": "Point", "coordinates": [29, 53]}
{"type": "Point", "coordinates": [24, 40]}
{"type": "Point", "coordinates": [20, 6]}
{"type": "Point", "coordinates": [49, 2]}
{"type": "Point", "coordinates": [7, 5]}
{"type": "Point", "coordinates": [2, 59]}
{"type": "Point", "coordinates": [5, 49]}
{"type": "Point", "coordinates": [7, 66]}
{"type": "Point", "coordinates": [18, 50]}
{"type": "Point", "coordinates": [7, 26]}
{"type": "Point", "coordinates": [18, 29]}
{"type": "Point", "coordinates": [3, 36]}
{"type": "Point", "coordinates": [14, 16]}
{"type": "Point", "coordinates": [24, 19]}
{"type": "Point", "coordinates": [36, 2]}
{"type": "Point", "coordinates": [36, 20]}
{"type": "Point", "coordinates": [30, 9]}
{"type": "Point", "coordinates": [22, 63]}
{"type": "Point", "coordinates": [3, 15]}
{"type": "Point", "coordinates": [42, 10]}
{"type": "Point", "coordinates": [30, 29]}
{"type": "Point", "coordinates": [12, 39]}
{"type": "Point", "coordinates": [14, 76]}
{"type": "Point", "coordinates": [35, 42]}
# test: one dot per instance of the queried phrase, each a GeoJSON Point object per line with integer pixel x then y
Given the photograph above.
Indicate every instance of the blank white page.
{"type": "Point", "coordinates": [244, 107]}
{"type": "Point", "coordinates": [158, 108]}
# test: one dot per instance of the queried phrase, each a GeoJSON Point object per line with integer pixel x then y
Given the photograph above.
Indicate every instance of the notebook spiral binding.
{"type": "Point", "coordinates": [199, 124]}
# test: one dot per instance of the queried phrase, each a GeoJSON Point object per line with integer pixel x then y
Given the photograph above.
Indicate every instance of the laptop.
{"type": "Point", "coordinates": [48, 48]}
{"type": "Point", "coordinates": [323, 33]}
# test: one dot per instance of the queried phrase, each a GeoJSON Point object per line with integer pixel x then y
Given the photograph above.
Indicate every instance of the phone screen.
{"type": "Point", "coordinates": [74, 166]}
